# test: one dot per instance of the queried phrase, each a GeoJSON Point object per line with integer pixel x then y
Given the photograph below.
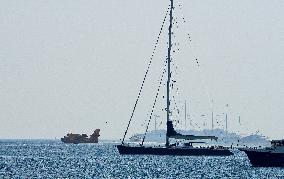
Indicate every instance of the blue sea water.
{"type": "Point", "coordinates": [53, 159]}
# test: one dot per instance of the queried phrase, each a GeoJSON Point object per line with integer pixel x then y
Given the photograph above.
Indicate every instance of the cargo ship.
{"type": "Point", "coordinates": [81, 138]}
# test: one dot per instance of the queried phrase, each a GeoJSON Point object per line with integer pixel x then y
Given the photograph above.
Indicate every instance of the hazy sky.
{"type": "Point", "coordinates": [74, 66]}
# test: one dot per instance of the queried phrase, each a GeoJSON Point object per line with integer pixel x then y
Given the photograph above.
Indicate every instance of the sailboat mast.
{"type": "Point", "coordinates": [227, 118]}
{"type": "Point", "coordinates": [169, 66]}
{"type": "Point", "coordinates": [185, 115]}
{"type": "Point", "coordinates": [212, 115]}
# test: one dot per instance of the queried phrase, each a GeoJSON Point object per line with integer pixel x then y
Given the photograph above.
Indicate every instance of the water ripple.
{"type": "Point", "coordinates": [53, 159]}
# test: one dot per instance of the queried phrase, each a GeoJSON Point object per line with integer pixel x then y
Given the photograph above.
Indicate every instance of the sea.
{"type": "Point", "coordinates": [54, 159]}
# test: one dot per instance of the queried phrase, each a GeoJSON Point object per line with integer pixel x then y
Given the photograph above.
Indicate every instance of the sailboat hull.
{"type": "Point", "coordinates": [178, 151]}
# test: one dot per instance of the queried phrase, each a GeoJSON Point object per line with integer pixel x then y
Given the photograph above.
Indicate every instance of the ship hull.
{"type": "Point", "coordinates": [183, 151]}
{"type": "Point", "coordinates": [66, 141]}
{"type": "Point", "coordinates": [265, 159]}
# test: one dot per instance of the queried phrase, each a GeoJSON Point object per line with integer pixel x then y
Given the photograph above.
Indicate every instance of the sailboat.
{"type": "Point", "coordinates": [187, 149]}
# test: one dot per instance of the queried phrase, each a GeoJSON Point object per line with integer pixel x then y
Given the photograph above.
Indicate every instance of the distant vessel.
{"type": "Point", "coordinates": [81, 138]}
{"type": "Point", "coordinates": [256, 139]}
{"type": "Point", "coordinates": [267, 157]}
{"type": "Point", "coordinates": [224, 138]}
{"type": "Point", "coordinates": [136, 138]}
{"type": "Point", "coordinates": [175, 148]}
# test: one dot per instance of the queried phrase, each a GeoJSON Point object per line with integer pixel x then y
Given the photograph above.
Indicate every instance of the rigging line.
{"type": "Point", "coordinates": [176, 49]}
{"type": "Point", "coordinates": [179, 20]}
{"type": "Point", "coordinates": [142, 85]}
{"type": "Point", "coordinates": [183, 20]}
{"type": "Point", "coordinates": [176, 95]}
{"type": "Point", "coordinates": [181, 9]}
{"type": "Point", "coordinates": [209, 96]}
{"type": "Point", "coordinates": [176, 106]}
{"type": "Point", "coordinates": [176, 85]}
{"type": "Point", "coordinates": [153, 107]}
{"type": "Point", "coordinates": [203, 83]}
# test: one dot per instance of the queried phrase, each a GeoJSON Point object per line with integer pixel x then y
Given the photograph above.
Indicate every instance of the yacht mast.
{"type": "Point", "coordinates": [212, 115]}
{"type": "Point", "coordinates": [185, 115]}
{"type": "Point", "coordinates": [169, 66]}
{"type": "Point", "coordinates": [227, 118]}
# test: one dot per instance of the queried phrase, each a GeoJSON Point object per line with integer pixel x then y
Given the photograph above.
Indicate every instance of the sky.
{"type": "Point", "coordinates": [74, 66]}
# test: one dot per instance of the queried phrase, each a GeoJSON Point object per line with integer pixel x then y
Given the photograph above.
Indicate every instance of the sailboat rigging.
{"type": "Point", "coordinates": [169, 149]}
